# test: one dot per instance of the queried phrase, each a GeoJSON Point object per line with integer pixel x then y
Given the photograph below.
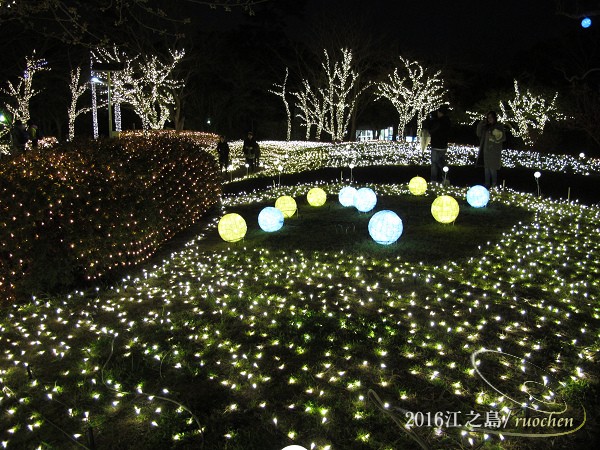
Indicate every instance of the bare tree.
{"type": "Point", "coordinates": [96, 23]}
{"type": "Point", "coordinates": [23, 92]}
{"type": "Point", "coordinates": [281, 93]}
{"type": "Point", "coordinates": [412, 91]}
{"type": "Point", "coordinates": [77, 90]}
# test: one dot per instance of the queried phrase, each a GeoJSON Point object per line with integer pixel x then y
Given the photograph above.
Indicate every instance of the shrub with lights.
{"type": "Point", "coordinates": [81, 209]}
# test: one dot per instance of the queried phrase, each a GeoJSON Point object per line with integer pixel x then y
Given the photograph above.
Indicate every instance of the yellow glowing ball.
{"type": "Point", "coordinates": [417, 186]}
{"type": "Point", "coordinates": [445, 209]}
{"type": "Point", "coordinates": [316, 197]}
{"type": "Point", "coordinates": [232, 227]}
{"type": "Point", "coordinates": [287, 205]}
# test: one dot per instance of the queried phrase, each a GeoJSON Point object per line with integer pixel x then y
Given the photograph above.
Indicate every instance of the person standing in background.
{"type": "Point", "coordinates": [251, 151]}
{"type": "Point", "coordinates": [223, 151]}
{"type": "Point", "coordinates": [440, 134]}
{"type": "Point", "coordinates": [491, 136]}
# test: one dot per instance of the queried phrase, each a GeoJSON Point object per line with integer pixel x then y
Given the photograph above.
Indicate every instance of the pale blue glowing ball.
{"type": "Point", "coordinates": [346, 196]}
{"type": "Point", "coordinates": [478, 196]}
{"type": "Point", "coordinates": [385, 227]}
{"type": "Point", "coordinates": [365, 199]}
{"type": "Point", "coordinates": [270, 219]}
{"type": "Point", "coordinates": [586, 22]}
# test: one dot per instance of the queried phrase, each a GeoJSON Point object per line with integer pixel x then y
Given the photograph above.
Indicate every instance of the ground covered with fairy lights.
{"type": "Point", "coordinates": [319, 337]}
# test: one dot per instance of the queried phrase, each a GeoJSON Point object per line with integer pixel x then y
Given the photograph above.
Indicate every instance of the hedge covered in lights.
{"type": "Point", "coordinates": [79, 210]}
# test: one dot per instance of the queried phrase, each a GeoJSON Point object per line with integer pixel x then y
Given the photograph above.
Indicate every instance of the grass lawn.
{"type": "Point", "coordinates": [317, 336]}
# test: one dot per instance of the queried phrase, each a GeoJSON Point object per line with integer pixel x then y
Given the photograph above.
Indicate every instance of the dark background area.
{"type": "Point", "coordinates": [233, 58]}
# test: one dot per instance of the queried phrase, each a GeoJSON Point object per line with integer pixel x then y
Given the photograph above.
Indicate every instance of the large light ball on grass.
{"type": "Point", "coordinates": [365, 199]}
{"type": "Point", "coordinates": [417, 186]}
{"type": "Point", "coordinates": [385, 227]}
{"type": "Point", "coordinates": [346, 196]}
{"type": "Point", "coordinates": [316, 197]}
{"type": "Point", "coordinates": [478, 196]}
{"type": "Point", "coordinates": [444, 209]}
{"type": "Point", "coordinates": [232, 227]}
{"type": "Point", "coordinates": [270, 219]}
{"type": "Point", "coordinates": [287, 205]}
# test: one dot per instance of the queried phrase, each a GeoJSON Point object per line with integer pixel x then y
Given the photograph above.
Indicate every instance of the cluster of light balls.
{"type": "Point", "coordinates": [385, 227]}
{"type": "Point", "coordinates": [232, 227]}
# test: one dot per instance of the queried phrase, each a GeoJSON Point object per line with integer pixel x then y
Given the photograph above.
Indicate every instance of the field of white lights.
{"type": "Point", "coordinates": [316, 337]}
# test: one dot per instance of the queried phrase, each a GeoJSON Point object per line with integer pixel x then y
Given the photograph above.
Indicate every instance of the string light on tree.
{"type": "Point", "coordinates": [414, 95]}
{"type": "Point", "coordinates": [22, 93]}
{"type": "Point", "coordinates": [281, 94]}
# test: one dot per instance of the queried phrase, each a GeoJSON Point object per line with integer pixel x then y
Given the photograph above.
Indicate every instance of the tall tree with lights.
{"type": "Point", "coordinates": [525, 115]}
{"type": "Point", "coordinates": [412, 91]}
{"type": "Point", "coordinates": [77, 90]}
{"type": "Point", "coordinates": [145, 83]}
{"type": "Point", "coordinates": [329, 105]}
{"type": "Point", "coordinates": [281, 93]}
{"type": "Point", "coordinates": [312, 109]}
{"type": "Point", "coordinates": [23, 92]}
{"type": "Point", "coordinates": [339, 95]}
{"type": "Point", "coordinates": [152, 92]}
{"type": "Point", "coordinates": [528, 113]}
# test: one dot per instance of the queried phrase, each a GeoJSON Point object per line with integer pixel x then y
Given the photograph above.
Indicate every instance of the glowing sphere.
{"type": "Point", "coordinates": [478, 196]}
{"type": "Point", "coordinates": [316, 197]}
{"type": "Point", "coordinates": [586, 22]}
{"type": "Point", "coordinates": [365, 199]}
{"type": "Point", "coordinates": [232, 227]}
{"type": "Point", "coordinates": [444, 209]}
{"type": "Point", "coordinates": [287, 205]}
{"type": "Point", "coordinates": [346, 196]}
{"type": "Point", "coordinates": [270, 219]}
{"type": "Point", "coordinates": [385, 227]}
{"type": "Point", "coordinates": [417, 186]}
{"type": "Point", "coordinates": [294, 447]}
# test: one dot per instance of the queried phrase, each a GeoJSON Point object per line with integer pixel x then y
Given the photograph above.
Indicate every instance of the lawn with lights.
{"type": "Point", "coordinates": [317, 336]}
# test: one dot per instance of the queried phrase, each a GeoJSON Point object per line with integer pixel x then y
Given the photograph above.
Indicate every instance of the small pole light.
{"type": "Point", "coordinates": [247, 166]}
{"type": "Point", "coordinates": [446, 169]}
{"type": "Point", "coordinates": [280, 169]}
{"type": "Point", "coordinates": [537, 176]}
{"type": "Point", "coordinates": [351, 167]}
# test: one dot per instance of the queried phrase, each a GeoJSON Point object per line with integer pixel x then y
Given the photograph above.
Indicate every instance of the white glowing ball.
{"type": "Point", "coordinates": [346, 196]}
{"type": "Point", "coordinates": [417, 186]}
{"type": "Point", "coordinates": [287, 205]}
{"type": "Point", "coordinates": [232, 227]}
{"type": "Point", "coordinates": [478, 196]}
{"type": "Point", "coordinates": [294, 447]}
{"type": "Point", "coordinates": [365, 199]}
{"type": "Point", "coordinates": [270, 219]}
{"type": "Point", "coordinates": [385, 227]}
{"type": "Point", "coordinates": [316, 197]}
{"type": "Point", "coordinates": [444, 209]}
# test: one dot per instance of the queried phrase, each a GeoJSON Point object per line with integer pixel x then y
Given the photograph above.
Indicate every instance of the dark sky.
{"type": "Point", "coordinates": [459, 30]}
{"type": "Point", "coordinates": [456, 28]}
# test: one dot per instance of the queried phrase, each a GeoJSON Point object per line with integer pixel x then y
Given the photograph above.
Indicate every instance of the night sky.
{"type": "Point", "coordinates": [460, 31]}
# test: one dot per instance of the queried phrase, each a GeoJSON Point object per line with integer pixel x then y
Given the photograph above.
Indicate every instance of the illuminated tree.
{"type": "Point", "coordinates": [77, 90]}
{"type": "Point", "coordinates": [145, 83]}
{"type": "Point", "coordinates": [152, 93]}
{"type": "Point", "coordinates": [23, 92]}
{"type": "Point", "coordinates": [281, 93]}
{"type": "Point", "coordinates": [330, 105]}
{"type": "Point", "coordinates": [312, 110]}
{"type": "Point", "coordinates": [528, 112]}
{"type": "Point", "coordinates": [412, 91]}
{"type": "Point", "coordinates": [525, 114]}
